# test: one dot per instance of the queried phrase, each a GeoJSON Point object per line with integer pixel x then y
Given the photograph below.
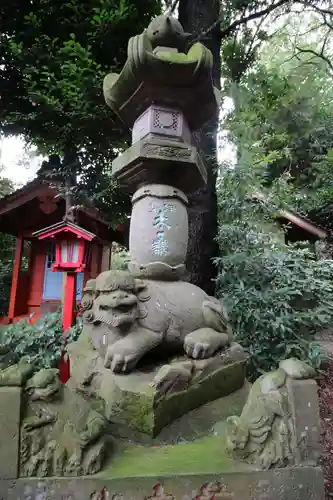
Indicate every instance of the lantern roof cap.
{"type": "Point", "coordinates": [64, 227]}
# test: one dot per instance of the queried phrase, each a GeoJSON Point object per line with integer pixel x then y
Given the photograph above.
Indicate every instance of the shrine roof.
{"type": "Point", "coordinates": [38, 204]}
{"type": "Point", "coordinates": [64, 226]}
{"type": "Point", "coordinates": [22, 195]}
{"type": "Point", "coordinates": [298, 227]}
{"type": "Point", "coordinates": [303, 223]}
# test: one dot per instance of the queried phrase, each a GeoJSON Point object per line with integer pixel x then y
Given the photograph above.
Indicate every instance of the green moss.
{"type": "Point", "coordinates": [194, 54]}
{"type": "Point", "coordinates": [139, 411]}
{"type": "Point", "coordinates": [135, 410]}
{"type": "Point", "coordinates": [173, 57]}
{"type": "Point", "coordinates": [204, 456]}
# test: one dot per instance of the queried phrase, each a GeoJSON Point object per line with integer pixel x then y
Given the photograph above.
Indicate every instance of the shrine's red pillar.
{"type": "Point", "coordinates": [15, 278]}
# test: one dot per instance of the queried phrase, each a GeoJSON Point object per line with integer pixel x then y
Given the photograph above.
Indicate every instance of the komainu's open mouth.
{"type": "Point", "coordinates": [124, 308]}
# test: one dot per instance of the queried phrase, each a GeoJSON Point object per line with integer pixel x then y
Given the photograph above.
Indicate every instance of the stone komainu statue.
{"type": "Point", "coordinates": [128, 318]}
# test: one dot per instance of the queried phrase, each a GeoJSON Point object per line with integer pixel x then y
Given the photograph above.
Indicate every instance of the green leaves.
{"type": "Point", "coordinates": [54, 56]}
{"type": "Point", "coordinates": [120, 258]}
{"type": "Point", "coordinates": [40, 343]}
{"type": "Point", "coordinates": [278, 296]}
{"type": "Point", "coordinates": [282, 121]}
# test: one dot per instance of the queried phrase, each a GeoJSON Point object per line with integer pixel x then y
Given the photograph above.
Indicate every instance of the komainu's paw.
{"type": "Point", "coordinates": [120, 361]}
{"type": "Point", "coordinates": [204, 343]}
{"type": "Point", "coordinates": [73, 465]}
{"type": "Point", "coordinates": [94, 457]}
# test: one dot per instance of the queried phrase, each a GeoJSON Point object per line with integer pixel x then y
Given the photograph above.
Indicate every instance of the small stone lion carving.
{"type": "Point", "coordinates": [53, 444]}
{"type": "Point", "coordinates": [262, 435]}
{"type": "Point", "coordinates": [129, 318]}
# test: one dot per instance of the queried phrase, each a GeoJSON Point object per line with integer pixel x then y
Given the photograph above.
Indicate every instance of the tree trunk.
{"type": "Point", "coordinates": [196, 16]}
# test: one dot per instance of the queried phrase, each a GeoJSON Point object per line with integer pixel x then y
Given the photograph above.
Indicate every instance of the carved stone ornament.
{"type": "Point", "coordinates": [161, 121]}
{"type": "Point", "coordinates": [160, 161]}
{"type": "Point", "coordinates": [159, 73]}
{"type": "Point", "coordinates": [264, 433]}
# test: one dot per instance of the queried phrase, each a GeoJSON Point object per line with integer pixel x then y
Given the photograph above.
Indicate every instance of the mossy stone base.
{"type": "Point", "coordinates": [199, 433]}
{"type": "Point", "coordinates": [148, 399]}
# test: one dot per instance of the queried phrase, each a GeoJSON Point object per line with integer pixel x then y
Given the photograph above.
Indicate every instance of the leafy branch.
{"type": "Point", "coordinates": [171, 6]}
{"type": "Point", "coordinates": [239, 22]}
{"type": "Point", "coordinates": [316, 54]}
{"type": "Point", "coordinates": [244, 19]}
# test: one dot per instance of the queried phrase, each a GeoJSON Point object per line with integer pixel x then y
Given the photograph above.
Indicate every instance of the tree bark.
{"type": "Point", "coordinates": [195, 17]}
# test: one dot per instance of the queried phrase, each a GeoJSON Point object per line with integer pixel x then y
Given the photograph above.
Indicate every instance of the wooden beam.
{"type": "Point", "coordinates": [15, 278]}
{"type": "Point", "coordinates": [293, 218]}
{"type": "Point", "coordinates": [307, 226]}
{"type": "Point", "coordinates": [17, 199]}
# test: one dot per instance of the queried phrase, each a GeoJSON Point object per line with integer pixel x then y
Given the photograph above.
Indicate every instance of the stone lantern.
{"type": "Point", "coordinates": [163, 95]}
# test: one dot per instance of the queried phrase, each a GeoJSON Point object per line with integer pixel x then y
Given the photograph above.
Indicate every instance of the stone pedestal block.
{"type": "Point", "coordinates": [304, 483]}
{"type": "Point", "coordinates": [10, 411]}
{"type": "Point", "coordinates": [160, 161]}
{"type": "Point", "coordinates": [145, 401]}
{"type": "Point", "coordinates": [158, 232]}
{"type": "Point", "coordinates": [303, 400]}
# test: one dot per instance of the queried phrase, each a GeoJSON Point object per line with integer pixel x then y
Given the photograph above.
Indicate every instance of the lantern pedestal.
{"type": "Point", "coordinates": [69, 300]}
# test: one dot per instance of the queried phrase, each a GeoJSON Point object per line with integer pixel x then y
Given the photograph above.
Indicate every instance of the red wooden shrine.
{"type": "Point", "coordinates": [39, 287]}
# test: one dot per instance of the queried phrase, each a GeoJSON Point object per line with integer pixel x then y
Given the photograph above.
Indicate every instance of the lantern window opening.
{"type": "Point", "coordinates": [69, 251]}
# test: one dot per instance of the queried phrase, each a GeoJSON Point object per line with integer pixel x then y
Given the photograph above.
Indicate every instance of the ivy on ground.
{"type": "Point", "coordinates": [40, 343]}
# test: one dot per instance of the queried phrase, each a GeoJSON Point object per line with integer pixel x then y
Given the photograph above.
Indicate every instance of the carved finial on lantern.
{"type": "Point", "coordinates": [161, 69]}
{"type": "Point", "coordinates": [166, 31]}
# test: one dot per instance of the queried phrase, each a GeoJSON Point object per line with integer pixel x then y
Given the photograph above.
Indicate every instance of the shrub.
{"type": "Point", "coordinates": [278, 296]}
{"type": "Point", "coordinates": [5, 287]}
{"type": "Point", "coordinates": [120, 258]}
{"type": "Point", "coordinates": [39, 343]}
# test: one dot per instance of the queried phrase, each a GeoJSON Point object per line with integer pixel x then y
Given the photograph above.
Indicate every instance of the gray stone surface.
{"type": "Point", "coordinates": [145, 401]}
{"type": "Point", "coordinates": [160, 161]}
{"type": "Point", "coordinates": [10, 409]}
{"type": "Point", "coordinates": [304, 483]}
{"type": "Point", "coordinates": [161, 121]}
{"type": "Point", "coordinates": [305, 413]}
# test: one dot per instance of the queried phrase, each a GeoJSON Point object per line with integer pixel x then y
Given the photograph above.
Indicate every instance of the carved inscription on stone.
{"type": "Point", "coordinates": [167, 152]}
{"type": "Point", "coordinates": [160, 244]}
